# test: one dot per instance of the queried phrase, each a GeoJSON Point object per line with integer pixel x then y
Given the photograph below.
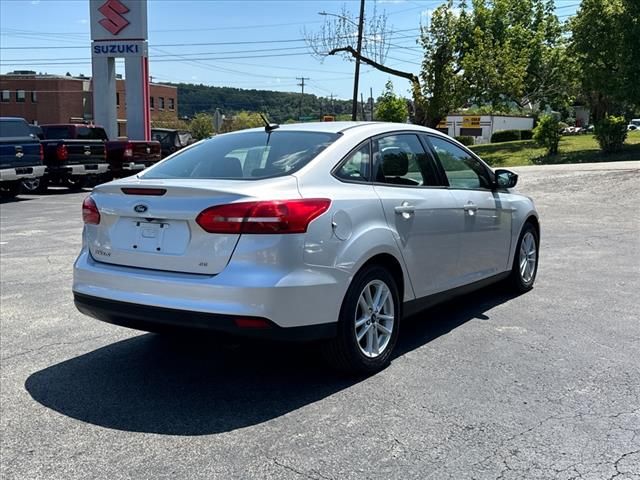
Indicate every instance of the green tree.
{"type": "Point", "coordinates": [245, 120]}
{"type": "Point", "coordinates": [547, 133]}
{"type": "Point", "coordinates": [443, 88]}
{"type": "Point", "coordinates": [606, 44]}
{"type": "Point", "coordinates": [390, 107]}
{"type": "Point", "coordinates": [611, 132]}
{"type": "Point", "coordinates": [516, 53]}
{"type": "Point", "coordinates": [201, 126]}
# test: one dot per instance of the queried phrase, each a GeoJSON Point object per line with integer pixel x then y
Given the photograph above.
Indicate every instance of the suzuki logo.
{"type": "Point", "coordinates": [140, 208]}
{"type": "Point", "coordinates": [113, 10]}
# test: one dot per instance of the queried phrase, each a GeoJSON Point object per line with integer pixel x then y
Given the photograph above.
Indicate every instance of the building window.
{"type": "Point", "coordinates": [118, 99]}
{"type": "Point", "coordinates": [160, 103]}
{"type": "Point", "coordinates": [34, 97]}
{"type": "Point", "coordinates": [20, 95]}
{"type": "Point", "coordinates": [6, 96]}
{"type": "Point", "coordinates": [172, 103]}
{"type": "Point", "coordinates": [151, 104]}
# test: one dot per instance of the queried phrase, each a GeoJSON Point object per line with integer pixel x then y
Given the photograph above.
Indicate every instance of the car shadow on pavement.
{"type": "Point", "coordinates": [189, 386]}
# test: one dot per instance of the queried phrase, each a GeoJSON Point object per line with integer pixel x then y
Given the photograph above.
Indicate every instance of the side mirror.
{"type": "Point", "coordinates": [505, 178]}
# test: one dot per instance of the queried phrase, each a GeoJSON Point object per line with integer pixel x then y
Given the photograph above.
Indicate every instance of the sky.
{"type": "Point", "coordinates": [255, 44]}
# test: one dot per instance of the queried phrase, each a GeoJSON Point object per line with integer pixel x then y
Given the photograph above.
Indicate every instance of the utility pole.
{"type": "Point", "coordinates": [364, 117]}
{"type": "Point", "coordinates": [333, 109]}
{"type": "Point", "coordinates": [371, 101]}
{"type": "Point", "coordinates": [354, 108]}
{"type": "Point", "coordinates": [301, 84]}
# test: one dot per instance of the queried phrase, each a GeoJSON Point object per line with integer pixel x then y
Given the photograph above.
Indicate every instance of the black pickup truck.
{"type": "Point", "coordinates": [74, 155]}
{"type": "Point", "coordinates": [20, 156]}
{"type": "Point", "coordinates": [124, 157]}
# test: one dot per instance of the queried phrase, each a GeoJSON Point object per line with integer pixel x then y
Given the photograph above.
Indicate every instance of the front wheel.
{"type": "Point", "coordinates": [368, 325]}
{"type": "Point", "coordinates": [525, 260]}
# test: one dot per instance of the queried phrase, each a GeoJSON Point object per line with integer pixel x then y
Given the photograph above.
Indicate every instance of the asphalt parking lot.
{"type": "Point", "coordinates": [541, 386]}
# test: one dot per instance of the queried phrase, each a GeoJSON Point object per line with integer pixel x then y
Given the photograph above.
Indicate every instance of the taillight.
{"type": "Point", "coordinates": [62, 153]}
{"type": "Point", "coordinates": [128, 150]}
{"type": "Point", "coordinates": [41, 153]}
{"type": "Point", "coordinates": [274, 216]}
{"type": "Point", "coordinates": [90, 212]}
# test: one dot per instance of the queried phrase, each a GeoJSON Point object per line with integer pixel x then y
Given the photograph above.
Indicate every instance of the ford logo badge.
{"type": "Point", "coordinates": [140, 208]}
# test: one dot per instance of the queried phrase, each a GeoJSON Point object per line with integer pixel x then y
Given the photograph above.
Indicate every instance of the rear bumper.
{"type": "Point", "coordinates": [18, 173]}
{"type": "Point", "coordinates": [149, 318]}
{"type": "Point", "coordinates": [293, 298]}
{"type": "Point", "coordinates": [79, 170]}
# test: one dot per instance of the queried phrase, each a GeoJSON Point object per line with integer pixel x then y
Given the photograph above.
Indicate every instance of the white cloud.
{"type": "Point", "coordinates": [35, 2]}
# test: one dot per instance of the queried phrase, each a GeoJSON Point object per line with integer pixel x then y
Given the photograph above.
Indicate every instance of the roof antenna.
{"type": "Point", "coordinates": [268, 127]}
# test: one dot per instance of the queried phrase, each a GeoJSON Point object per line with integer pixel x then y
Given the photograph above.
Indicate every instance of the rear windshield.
{"type": "Point", "coordinates": [55, 133]}
{"type": "Point", "coordinates": [14, 128]}
{"type": "Point", "coordinates": [86, 133]}
{"type": "Point", "coordinates": [245, 156]}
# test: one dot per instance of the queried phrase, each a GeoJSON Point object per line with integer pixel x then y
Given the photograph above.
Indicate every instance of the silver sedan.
{"type": "Point", "coordinates": [319, 231]}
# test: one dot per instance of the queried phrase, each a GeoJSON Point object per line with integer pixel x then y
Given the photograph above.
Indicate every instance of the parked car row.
{"type": "Point", "coordinates": [33, 157]}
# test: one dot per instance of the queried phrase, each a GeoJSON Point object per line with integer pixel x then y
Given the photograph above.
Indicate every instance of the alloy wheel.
{"type": "Point", "coordinates": [374, 318]}
{"type": "Point", "coordinates": [528, 257]}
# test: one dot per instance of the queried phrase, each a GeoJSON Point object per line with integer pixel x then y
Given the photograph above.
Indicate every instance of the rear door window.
{"type": "Point", "coordinates": [245, 156]}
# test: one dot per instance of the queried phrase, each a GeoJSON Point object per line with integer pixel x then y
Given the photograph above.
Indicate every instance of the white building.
{"type": "Point", "coordinates": [481, 127]}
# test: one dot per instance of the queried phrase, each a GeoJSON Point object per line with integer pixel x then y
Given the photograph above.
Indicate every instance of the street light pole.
{"type": "Point", "coordinates": [354, 108]}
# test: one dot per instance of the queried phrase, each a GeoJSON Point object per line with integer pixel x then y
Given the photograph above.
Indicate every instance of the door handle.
{"type": "Point", "coordinates": [470, 208]}
{"type": "Point", "coordinates": [406, 209]}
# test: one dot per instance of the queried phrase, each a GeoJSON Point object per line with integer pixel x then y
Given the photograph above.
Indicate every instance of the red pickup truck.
{"type": "Point", "coordinates": [123, 157]}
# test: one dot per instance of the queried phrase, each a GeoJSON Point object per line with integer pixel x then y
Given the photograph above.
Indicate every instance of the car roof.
{"type": "Point", "coordinates": [339, 127]}
{"type": "Point", "coordinates": [3, 119]}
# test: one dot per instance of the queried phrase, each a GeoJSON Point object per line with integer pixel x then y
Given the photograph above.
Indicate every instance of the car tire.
{"type": "Point", "coordinates": [10, 189]}
{"type": "Point", "coordinates": [525, 260]}
{"type": "Point", "coordinates": [363, 323]}
{"type": "Point", "coordinates": [44, 185]}
{"type": "Point", "coordinates": [75, 183]}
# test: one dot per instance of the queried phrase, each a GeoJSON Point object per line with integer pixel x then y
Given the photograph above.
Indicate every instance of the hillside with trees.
{"type": "Point", "coordinates": [279, 106]}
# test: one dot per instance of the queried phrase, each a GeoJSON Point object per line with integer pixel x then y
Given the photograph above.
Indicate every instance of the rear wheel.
{"type": "Point", "coordinates": [369, 323]}
{"type": "Point", "coordinates": [10, 189]}
{"type": "Point", "coordinates": [525, 260]}
{"type": "Point", "coordinates": [75, 183]}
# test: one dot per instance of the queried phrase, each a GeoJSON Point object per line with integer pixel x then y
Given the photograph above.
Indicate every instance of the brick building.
{"type": "Point", "coordinates": [61, 99]}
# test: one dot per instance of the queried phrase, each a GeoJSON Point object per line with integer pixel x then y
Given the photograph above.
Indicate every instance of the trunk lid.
{"type": "Point", "coordinates": [160, 232]}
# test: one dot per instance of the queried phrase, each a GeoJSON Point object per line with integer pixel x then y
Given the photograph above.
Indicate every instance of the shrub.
{"type": "Point", "coordinates": [547, 134]}
{"type": "Point", "coordinates": [505, 136]}
{"type": "Point", "coordinates": [611, 132]}
{"type": "Point", "coordinates": [465, 139]}
{"type": "Point", "coordinates": [526, 134]}
{"type": "Point", "coordinates": [390, 107]}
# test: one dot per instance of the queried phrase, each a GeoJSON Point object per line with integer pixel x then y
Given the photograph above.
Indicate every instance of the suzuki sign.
{"type": "Point", "coordinates": [118, 19]}
{"type": "Point", "coordinates": [119, 30]}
